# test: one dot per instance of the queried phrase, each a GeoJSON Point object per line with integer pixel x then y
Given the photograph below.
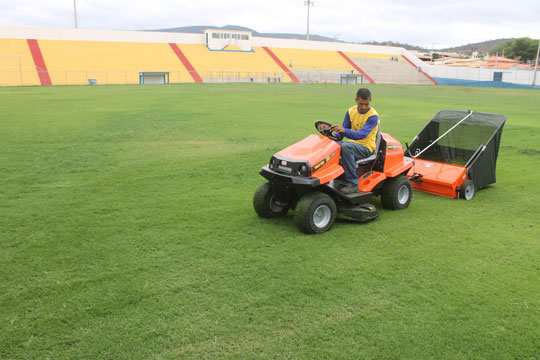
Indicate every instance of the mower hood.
{"type": "Point", "coordinates": [313, 149]}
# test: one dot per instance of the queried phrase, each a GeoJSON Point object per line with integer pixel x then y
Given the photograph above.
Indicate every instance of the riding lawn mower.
{"type": "Point", "coordinates": [305, 177]}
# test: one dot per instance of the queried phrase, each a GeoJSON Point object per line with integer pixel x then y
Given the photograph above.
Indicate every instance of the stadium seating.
{"type": "Point", "coordinates": [67, 62]}
{"type": "Point", "coordinates": [386, 70]}
{"type": "Point", "coordinates": [320, 60]}
{"type": "Point", "coordinates": [313, 65]}
{"type": "Point", "coordinates": [236, 66]}
{"type": "Point", "coordinates": [327, 66]}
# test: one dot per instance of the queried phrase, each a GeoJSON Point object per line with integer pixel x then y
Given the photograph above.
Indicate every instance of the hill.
{"type": "Point", "coordinates": [200, 29]}
{"type": "Point", "coordinates": [484, 46]}
{"type": "Point", "coordinates": [397, 44]}
{"type": "Point", "coordinates": [480, 46]}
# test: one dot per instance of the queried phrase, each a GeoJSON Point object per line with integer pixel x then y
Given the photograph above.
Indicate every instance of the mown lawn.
{"type": "Point", "coordinates": [127, 231]}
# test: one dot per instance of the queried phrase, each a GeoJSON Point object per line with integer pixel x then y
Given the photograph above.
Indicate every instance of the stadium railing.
{"type": "Point", "coordinates": [71, 77]}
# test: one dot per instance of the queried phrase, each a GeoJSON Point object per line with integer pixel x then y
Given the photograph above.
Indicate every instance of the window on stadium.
{"type": "Point", "coordinates": [229, 36]}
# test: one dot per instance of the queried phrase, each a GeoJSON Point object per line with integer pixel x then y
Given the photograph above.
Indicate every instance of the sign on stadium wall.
{"type": "Point", "coordinates": [228, 40]}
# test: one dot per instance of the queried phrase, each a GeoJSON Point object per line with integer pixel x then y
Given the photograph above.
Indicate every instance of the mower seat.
{"type": "Point", "coordinates": [373, 156]}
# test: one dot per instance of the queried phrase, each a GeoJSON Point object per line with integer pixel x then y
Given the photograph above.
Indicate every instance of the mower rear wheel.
{"type": "Point", "coordinates": [266, 204]}
{"type": "Point", "coordinates": [315, 213]}
{"type": "Point", "coordinates": [396, 193]}
{"type": "Point", "coordinates": [466, 191]}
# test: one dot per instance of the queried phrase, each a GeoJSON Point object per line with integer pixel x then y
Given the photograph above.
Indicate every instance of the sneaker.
{"type": "Point", "coordinates": [350, 189]}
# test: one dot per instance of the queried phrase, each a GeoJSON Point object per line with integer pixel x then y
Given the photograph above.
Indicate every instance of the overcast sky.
{"type": "Point", "coordinates": [427, 23]}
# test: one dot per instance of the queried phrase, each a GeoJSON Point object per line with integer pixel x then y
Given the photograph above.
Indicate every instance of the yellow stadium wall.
{"type": "Point", "coordinates": [73, 62]}
{"type": "Point", "coordinates": [16, 63]}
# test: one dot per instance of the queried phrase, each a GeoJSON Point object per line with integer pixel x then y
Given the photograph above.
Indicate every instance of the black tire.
{"type": "Point", "coordinates": [396, 193]}
{"type": "Point", "coordinates": [466, 191]}
{"type": "Point", "coordinates": [315, 213]}
{"type": "Point", "coordinates": [265, 203]}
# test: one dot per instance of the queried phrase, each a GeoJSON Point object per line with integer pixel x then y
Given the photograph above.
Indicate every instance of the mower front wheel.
{"type": "Point", "coordinates": [265, 203]}
{"type": "Point", "coordinates": [315, 213]}
{"type": "Point", "coordinates": [396, 193]}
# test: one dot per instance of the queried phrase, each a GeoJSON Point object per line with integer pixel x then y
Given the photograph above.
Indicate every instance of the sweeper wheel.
{"type": "Point", "coordinates": [466, 191]}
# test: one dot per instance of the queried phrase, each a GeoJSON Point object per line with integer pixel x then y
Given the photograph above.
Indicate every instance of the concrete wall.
{"type": "Point", "coordinates": [515, 76]}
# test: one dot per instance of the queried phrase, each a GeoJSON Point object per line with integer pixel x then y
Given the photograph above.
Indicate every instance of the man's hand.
{"type": "Point", "coordinates": [338, 129]}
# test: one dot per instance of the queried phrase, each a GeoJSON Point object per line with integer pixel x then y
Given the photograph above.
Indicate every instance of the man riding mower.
{"type": "Point", "coordinates": [304, 177]}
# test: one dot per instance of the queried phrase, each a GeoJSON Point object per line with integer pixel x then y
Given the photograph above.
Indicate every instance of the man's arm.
{"type": "Point", "coordinates": [345, 130]}
{"type": "Point", "coordinates": [341, 129]}
{"type": "Point", "coordinates": [364, 130]}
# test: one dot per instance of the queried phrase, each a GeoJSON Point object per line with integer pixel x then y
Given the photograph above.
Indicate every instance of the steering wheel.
{"type": "Point", "coordinates": [324, 128]}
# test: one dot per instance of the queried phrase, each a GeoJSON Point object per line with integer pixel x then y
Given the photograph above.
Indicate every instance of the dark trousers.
{"type": "Point", "coordinates": [350, 153]}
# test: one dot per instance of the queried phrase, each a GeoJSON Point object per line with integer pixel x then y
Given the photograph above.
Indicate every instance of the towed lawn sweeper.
{"type": "Point", "coordinates": [456, 153]}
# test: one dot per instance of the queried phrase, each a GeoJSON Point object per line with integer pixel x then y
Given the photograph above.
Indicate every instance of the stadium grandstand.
{"type": "Point", "coordinates": [48, 56]}
{"type": "Point", "coordinates": [51, 56]}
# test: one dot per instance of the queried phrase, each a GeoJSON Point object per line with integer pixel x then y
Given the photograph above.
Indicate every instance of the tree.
{"type": "Point", "coordinates": [501, 48]}
{"type": "Point", "coordinates": [524, 49]}
{"type": "Point", "coordinates": [519, 49]}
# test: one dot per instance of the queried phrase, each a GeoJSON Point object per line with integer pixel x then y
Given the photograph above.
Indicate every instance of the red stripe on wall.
{"type": "Point", "coordinates": [41, 68]}
{"type": "Point", "coordinates": [429, 77]}
{"type": "Point", "coordinates": [371, 81]}
{"type": "Point", "coordinates": [186, 63]}
{"type": "Point", "coordinates": [281, 64]}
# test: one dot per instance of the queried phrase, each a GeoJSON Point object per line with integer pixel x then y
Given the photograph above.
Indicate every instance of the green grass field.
{"type": "Point", "coordinates": [127, 232]}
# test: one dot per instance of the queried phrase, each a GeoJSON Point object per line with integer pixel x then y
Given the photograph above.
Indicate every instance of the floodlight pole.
{"type": "Point", "coordinates": [75, 14]}
{"type": "Point", "coordinates": [432, 50]}
{"type": "Point", "coordinates": [536, 64]}
{"type": "Point", "coordinates": [308, 3]}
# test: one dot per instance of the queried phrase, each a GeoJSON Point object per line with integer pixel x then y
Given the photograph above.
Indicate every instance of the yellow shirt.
{"type": "Point", "coordinates": [358, 121]}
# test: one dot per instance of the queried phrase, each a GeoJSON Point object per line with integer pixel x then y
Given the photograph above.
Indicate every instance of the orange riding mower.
{"type": "Point", "coordinates": [304, 177]}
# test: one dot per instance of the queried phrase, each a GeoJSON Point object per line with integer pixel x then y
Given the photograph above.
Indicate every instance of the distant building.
{"type": "Point", "coordinates": [470, 63]}
{"type": "Point", "coordinates": [499, 62]}
{"type": "Point", "coordinates": [492, 62]}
